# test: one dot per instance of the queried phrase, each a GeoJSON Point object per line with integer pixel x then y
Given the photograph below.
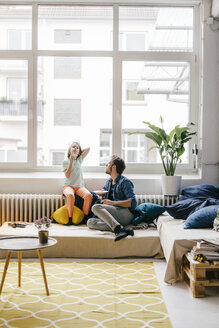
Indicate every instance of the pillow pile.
{"type": "Point", "coordinates": [186, 206]}
{"type": "Point", "coordinates": [147, 212]}
{"type": "Point", "coordinates": [198, 206]}
{"type": "Point", "coordinates": [61, 215]}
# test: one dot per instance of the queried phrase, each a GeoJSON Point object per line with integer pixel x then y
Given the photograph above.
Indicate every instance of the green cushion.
{"type": "Point", "coordinates": [147, 212]}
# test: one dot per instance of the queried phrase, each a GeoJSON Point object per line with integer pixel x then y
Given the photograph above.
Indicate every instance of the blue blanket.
{"type": "Point", "coordinates": [193, 199]}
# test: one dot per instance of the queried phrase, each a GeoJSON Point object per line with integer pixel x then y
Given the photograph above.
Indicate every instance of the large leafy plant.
{"type": "Point", "coordinates": [170, 146]}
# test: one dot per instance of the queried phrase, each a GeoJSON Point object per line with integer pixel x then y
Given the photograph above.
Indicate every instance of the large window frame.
{"type": "Point", "coordinates": [118, 58]}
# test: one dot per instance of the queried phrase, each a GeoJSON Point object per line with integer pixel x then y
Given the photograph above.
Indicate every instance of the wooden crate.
{"type": "Point", "coordinates": [199, 275]}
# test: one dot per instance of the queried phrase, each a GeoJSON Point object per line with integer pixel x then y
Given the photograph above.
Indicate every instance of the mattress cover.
{"type": "Point", "coordinates": [81, 242]}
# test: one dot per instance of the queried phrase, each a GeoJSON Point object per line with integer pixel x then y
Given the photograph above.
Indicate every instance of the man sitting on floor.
{"type": "Point", "coordinates": [116, 210]}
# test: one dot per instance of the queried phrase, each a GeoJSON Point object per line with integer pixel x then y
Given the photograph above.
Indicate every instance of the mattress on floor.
{"type": "Point", "coordinates": [82, 242]}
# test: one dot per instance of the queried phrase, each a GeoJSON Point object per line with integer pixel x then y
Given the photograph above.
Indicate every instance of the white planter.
{"type": "Point", "coordinates": [171, 185]}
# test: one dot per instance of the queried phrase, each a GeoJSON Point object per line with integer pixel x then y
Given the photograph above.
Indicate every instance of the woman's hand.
{"type": "Point", "coordinates": [74, 154]}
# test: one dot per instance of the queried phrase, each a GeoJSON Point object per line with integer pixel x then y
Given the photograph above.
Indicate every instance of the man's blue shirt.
{"type": "Point", "coordinates": [123, 190]}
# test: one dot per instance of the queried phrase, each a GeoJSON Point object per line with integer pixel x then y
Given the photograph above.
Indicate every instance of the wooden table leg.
{"type": "Point", "coordinates": [19, 267]}
{"type": "Point", "coordinates": [43, 270]}
{"type": "Point", "coordinates": [5, 269]}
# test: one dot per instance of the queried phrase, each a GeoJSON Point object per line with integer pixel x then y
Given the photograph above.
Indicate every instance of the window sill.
{"type": "Point", "coordinates": [88, 175]}
{"type": "Point", "coordinates": [52, 182]}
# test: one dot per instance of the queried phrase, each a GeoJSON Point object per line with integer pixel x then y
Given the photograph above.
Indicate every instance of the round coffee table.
{"type": "Point", "coordinates": [20, 244]}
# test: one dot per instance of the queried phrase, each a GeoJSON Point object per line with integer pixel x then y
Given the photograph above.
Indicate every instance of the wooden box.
{"type": "Point", "coordinates": [199, 275]}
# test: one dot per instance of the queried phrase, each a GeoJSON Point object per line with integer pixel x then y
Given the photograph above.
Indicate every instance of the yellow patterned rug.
{"type": "Point", "coordinates": [83, 294]}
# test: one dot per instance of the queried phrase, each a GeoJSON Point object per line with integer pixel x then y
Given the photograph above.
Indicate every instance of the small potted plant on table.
{"type": "Point", "coordinates": [43, 225]}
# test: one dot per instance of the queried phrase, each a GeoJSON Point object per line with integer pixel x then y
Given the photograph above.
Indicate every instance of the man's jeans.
{"type": "Point", "coordinates": [109, 217]}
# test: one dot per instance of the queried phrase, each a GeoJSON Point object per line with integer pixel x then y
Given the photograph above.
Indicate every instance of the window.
{"type": "Point", "coordinates": [131, 41]}
{"type": "Point", "coordinates": [167, 28]}
{"type": "Point", "coordinates": [72, 27]}
{"type": "Point", "coordinates": [13, 155]}
{"type": "Point", "coordinates": [14, 110]}
{"type": "Point", "coordinates": [101, 70]}
{"type": "Point", "coordinates": [135, 147]}
{"type": "Point", "coordinates": [166, 85]}
{"type": "Point", "coordinates": [74, 109]}
{"type": "Point", "coordinates": [67, 36]}
{"type": "Point", "coordinates": [57, 157]}
{"type": "Point", "coordinates": [16, 27]}
{"type": "Point", "coordinates": [17, 89]}
{"type": "Point", "coordinates": [17, 155]}
{"type": "Point", "coordinates": [105, 146]}
{"type": "Point", "coordinates": [19, 40]}
{"type": "Point", "coordinates": [67, 68]}
{"type": "Point", "coordinates": [131, 94]}
{"type": "Point", "coordinates": [67, 112]}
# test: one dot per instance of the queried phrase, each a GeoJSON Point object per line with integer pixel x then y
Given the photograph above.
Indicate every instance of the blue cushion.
{"type": "Point", "coordinates": [201, 191]}
{"type": "Point", "coordinates": [186, 206]}
{"type": "Point", "coordinates": [147, 212]}
{"type": "Point", "coordinates": [202, 218]}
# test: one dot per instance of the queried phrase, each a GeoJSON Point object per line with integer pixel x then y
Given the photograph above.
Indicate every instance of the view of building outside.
{"type": "Point", "coordinates": [75, 91]}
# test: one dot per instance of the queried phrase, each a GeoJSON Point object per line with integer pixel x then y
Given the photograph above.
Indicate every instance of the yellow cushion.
{"type": "Point", "coordinates": [78, 215]}
{"type": "Point", "coordinates": [61, 215]}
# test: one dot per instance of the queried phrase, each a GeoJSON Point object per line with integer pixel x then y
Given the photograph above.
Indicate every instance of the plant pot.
{"type": "Point", "coordinates": [171, 185]}
{"type": "Point", "coordinates": [43, 236]}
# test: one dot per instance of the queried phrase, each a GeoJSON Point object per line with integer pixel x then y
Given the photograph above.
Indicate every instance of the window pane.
{"type": "Point", "coordinates": [17, 155]}
{"type": "Point", "coordinates": [57, 157]}
{"type": "Point", "coordinates": [67, 36]}
{"type": "Point", "coordinates": [166, 85]}
{"type": "Point", "coordinates": [67, 112]}
{"type": "Point", "coordinates": [75, 109]}
{"type": "Point", "coordinates": [13, 110]}
{"type": "Point", "coordinates": [16, 22]}
{"type": "Point", "coordinates": [131, 92]}
{"type": "Point", "coordinates": [104, 157]}
{"type": "Point", "coordinates": [132, 141]}
{"type": "Point", "coordinates": [67, 68]}
{"type": "Point", "coordinates": [17, 89]}
{"type": "Point", "coordinates": [135, 41]}
{"type": "Point", "coordinates": [75, 27]}
{"type": "Point", "coordinates": [105, 146]}
{"type": "Point", "coordinates": [132, 156]}
{"type": "Point", "coordinates": [155, 28]}
{"type": "Point", "coordinates": [105, 139]}
{"type": "Point", "coordinates": [19, 40]}
{"type": "Point", "coordinates": [15, 40]}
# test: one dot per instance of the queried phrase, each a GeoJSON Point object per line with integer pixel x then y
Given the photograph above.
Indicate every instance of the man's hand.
{"type": "Point", "coordinates": [108, 202]}
{"type": "Point", "coordinates": [121, 203]}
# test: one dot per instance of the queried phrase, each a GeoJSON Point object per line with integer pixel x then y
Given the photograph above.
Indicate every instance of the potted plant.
{"type": "Point", "coordinates": [171, 148]}
{"type": "Point", "coordinates": [43, 225]}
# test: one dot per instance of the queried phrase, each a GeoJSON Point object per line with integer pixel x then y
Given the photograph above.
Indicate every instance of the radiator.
{"type": "Point", "coordinates": [29, 207]}
{"type": "Point", "coordinates": [157, 199]}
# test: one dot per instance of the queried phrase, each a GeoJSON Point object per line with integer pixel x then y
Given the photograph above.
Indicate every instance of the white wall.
{"type": "Point", "coordinates": [210, 111]}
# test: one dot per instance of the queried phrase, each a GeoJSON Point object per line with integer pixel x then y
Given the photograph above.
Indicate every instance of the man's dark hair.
{"type": "Point", "coordinates": [119, 163]}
